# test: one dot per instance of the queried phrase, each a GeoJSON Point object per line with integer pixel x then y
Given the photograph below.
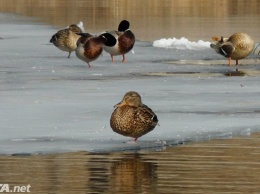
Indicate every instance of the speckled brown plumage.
{"type": "Point", "coordinates": [132, 118]}
{"type": "Point", "coordinates": [236, 47]}
{"type": "Point", "coordinates": [66, 39]}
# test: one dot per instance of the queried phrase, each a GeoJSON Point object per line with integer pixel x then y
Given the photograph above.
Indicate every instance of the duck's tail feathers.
{"type": "Point", "coordinates": [214, 46]}
{"type": "Point", "coordinates": [256, 50]}
{"type": "Point", "coordinates": [54, 38]}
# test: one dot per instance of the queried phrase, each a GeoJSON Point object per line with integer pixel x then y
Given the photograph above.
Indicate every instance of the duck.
{"type": "Point", "coordinates": [217, 39]}
{"type": "Point", "coordinates": [66, 39]}
{"type": "Point", "coordinates": [132, 118]}
{"type": "Point", "coordinates": [125, 41]}
{"type": "Point", "coordinates": [89, 46]}
{"type": "Point", "coordinates": [236, 47]}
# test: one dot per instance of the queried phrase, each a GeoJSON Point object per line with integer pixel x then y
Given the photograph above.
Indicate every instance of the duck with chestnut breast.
{"type": "Point", "coordinates": [66, 39]}
{"type": "Point", "coordinates": [236, 47]}
{"type": "Point", "coordinates": [132, 118]}
{"type": "Point", "coordinates": [125, 41]}
{"type": "Point", "coordinates": [89, 47]}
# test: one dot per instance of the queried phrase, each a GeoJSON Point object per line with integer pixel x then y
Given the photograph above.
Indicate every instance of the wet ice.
{"type": "Point", "coordinates": [53, 104]}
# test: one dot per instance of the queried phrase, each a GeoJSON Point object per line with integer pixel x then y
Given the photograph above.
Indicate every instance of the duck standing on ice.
{"type": "Point", "coordinates": [236, 47]}
{"type": "Point", "coordinates": [125, 41]}
{"type": "Point", "coordinates": [66, 39]}
{"type": "Point", "coordinates": [132, 118]}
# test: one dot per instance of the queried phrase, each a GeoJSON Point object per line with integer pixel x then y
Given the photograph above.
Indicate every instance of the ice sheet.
{"type": "Point", "coordinates": [51, 104]}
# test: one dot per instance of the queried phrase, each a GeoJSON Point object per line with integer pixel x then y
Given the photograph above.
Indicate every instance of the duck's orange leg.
{"type": "Point", "coordinates": [229, 61]}
{"type": "Point", "coordinates": [124, 59]}
{"type": "Point", "coordinates": [112, 58]}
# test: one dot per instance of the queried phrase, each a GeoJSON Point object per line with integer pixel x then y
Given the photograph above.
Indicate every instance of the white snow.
{"type": "Point", "coordinates": [182, 43]}
{"type": "Point", "coordinates": [50, 103]}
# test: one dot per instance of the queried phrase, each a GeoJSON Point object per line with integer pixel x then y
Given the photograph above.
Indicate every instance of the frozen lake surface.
{"type": "Point", "coordinates": [52, 104]}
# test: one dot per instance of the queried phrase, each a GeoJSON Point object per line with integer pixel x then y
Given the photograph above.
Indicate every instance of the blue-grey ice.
{"type": "Point", "coordinates": [51, 104]}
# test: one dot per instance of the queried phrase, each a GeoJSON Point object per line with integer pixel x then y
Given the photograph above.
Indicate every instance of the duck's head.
{"type": "Point", "coordinates": [109, 39]}
{"type": "Point", "coordinates": [75, 28]}
{"type": "Point", "coordinates": [215, 38]}
{"type": "Point", "coordinates": [131, 98]}
{"type": "Point", "coordinates": [219, 40]}
{"type": "Point", "coordinates": [123, 26]}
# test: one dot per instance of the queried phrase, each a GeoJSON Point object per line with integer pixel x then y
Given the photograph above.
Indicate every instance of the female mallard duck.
{"type": "Point", "coordinates": [66, 39]}
{"type": "Point", "coordinates": [125, 41]}
{"type": "Point", "coordinates": [90, 47]}
{"type": "Point", "coordinates": [132, 118]}
{"type": "Point", "coordinates": [236, 47]}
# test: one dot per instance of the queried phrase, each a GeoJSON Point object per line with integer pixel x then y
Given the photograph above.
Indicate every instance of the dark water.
{"type": "Point", "coordinates": [218, 166]}
{"type": "Point", "coordinates": [150, 20]}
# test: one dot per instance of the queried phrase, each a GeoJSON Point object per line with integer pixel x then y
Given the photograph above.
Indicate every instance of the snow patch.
{"type": "Point", "coordinates": [182, 44]}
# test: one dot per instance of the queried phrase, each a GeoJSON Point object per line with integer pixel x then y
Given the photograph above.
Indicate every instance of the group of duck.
{"type": "Point", "coordinates": [131, 117]}
{"type": "Point", "coordinates": [88, 47]}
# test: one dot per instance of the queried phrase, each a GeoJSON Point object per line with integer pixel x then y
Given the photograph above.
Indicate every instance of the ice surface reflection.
{"type": "Point", "coordinates": [209, 167]}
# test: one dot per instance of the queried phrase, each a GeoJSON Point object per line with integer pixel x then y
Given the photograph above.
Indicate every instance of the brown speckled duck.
{"type": "Point", "coordinates": [132, 118]}
{"type": "Point", "coordinates": [236, 47]}
{"type": "Point", "coordinates": [66, 39]}
{"type": "Point", "coordinates": [89, 47]}
{"type": "Point", "coordinates": [125, 41]}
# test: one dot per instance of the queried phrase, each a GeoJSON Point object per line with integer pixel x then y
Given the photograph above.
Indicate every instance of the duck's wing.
{"type": "Point", "coordinates": [61, 34]}
{"type": "Point", "coordinates": [225, 49]}
{"type": "Point", "coordinates": [145, 115]}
